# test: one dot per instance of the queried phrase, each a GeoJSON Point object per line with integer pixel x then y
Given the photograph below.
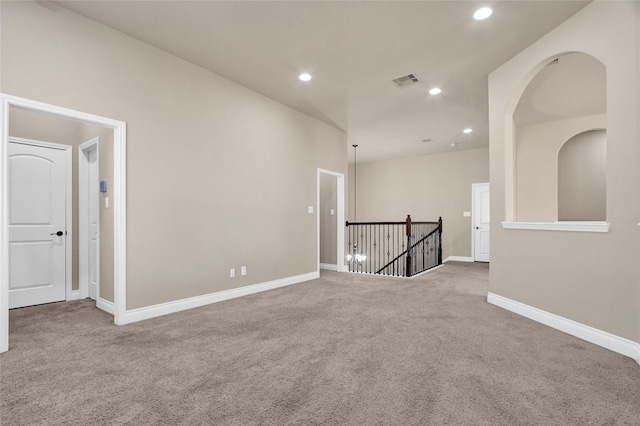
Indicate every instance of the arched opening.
{"type": "Point", "coordinates": [567, 97]}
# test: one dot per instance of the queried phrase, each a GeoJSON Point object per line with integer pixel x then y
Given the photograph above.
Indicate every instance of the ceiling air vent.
{"type": "Point", "coordinates": [407, 80]}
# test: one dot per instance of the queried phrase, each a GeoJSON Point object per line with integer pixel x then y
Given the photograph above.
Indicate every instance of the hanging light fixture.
{"type": "Point", "coordinates": [358, 258]}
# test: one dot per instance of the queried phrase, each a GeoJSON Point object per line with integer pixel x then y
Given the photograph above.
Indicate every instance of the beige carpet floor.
{"type": "Point", "coordinates": [345, 349]}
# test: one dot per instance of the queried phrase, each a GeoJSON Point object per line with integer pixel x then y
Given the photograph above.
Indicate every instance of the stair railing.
{"type": "Point", "coordinates": [394, 248]}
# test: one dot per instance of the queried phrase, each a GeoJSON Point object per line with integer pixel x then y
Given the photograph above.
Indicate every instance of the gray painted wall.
{"type": "Point", "coordinates": [590, 278]}
{"type": "Point", "coordinates": [426, 187]}
{"type": "Point", "coordinates": [218, 176]}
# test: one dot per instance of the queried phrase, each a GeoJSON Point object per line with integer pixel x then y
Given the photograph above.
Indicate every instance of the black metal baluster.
{"type": "Point", "coordinates": [400, 238]}
{"type": "Point", "coordinates": [360, 228]}
{"type": "Point", "coordinates": [348, 245]}
{"type": "Point", "coordinates": [370, 250]}
{"type": "Point", "coordinates": [378, 251]}
{"type": "Point", "coordinates": [355, 247]}
{"type": "Point", "coordinates": [423, 262]}
{"type": "Point", "coordinates": [388, 247]}
{"type": "Point", "coordinates": [349, 229]}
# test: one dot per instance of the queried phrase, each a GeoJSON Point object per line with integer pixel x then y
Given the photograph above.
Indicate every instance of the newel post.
{"type": "Point", "coordinates": [440, 241]}
{"type": "Point", "coordinates": [408, 270]}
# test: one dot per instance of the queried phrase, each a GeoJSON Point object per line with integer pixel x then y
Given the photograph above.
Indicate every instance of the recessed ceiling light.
{"type": "Point", "coordinates": [467, 131]}
{"type": "Point", "coordinates": [482, 13]}
{"type": "Point", "coordinates": [304, 77]}
{"type": "Point", "coordinates": [435, 91]}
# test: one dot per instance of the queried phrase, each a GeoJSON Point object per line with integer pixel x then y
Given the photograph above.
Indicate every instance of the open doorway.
{"type": "Point", "coordinates": [45, 267]}
{"type": "Point", "coordinates": [29, 123]}
{"type": "Point", "coordinates": [330, 214]}
{"type": "Point", "coordinates": [89, 212]}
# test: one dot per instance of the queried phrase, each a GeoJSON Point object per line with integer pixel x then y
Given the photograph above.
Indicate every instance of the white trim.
{"type": "Point", "coordinates": [68, 214]}
{"type": "Point", "coordinates": [340, 218]}
{"type": "Point", "coordinates": [397, 276]}
{"type": "Point", "coordinates": [75, 295]}
{"type": "Point", "coordinates": [119, 202]}
{"type": "Point", "coordinates": [105, 305]}
{"type": "Point", "coordinates": [4, 229]}
{"type": "Point", "coordinates": [425, 272]}
{"type": "Point", "coordinates": [83, 215]}
{"type": "Point", "coordinates": [458, 259]}
{"type": "Point", "coordinates": [329, 266]}
{"type": "Point", "coordinates": [559, 226]}
{"type": "Point", "coordinates": [597, 337]}
{"type": "Point", "coordinates": [119, 222]}
{"type": "Point", "coordinates": [44, 144]}
{"type": "Point", "coordinates": [154, 311]}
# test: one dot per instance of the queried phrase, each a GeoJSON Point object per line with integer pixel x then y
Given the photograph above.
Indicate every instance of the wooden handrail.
{"type": "Point", "coordinates": [390, 223]}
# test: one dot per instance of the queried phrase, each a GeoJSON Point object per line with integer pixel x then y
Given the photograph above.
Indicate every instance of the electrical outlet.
{"type": "Point", "coordinates": [232, 273]}
{"type": "Point", "coordinates": [243, 271]}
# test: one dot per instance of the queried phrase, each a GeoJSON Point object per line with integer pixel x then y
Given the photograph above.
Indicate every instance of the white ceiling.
{"type": "Point", "coordinates": [353, 49]}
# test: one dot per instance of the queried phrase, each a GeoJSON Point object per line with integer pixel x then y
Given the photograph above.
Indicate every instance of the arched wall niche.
{"type": "Point", "coordinates": [582, 177]}
{"type": "Point", "coordinates": [563, 96]}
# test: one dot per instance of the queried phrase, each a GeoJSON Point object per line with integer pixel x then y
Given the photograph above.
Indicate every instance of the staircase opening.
{"type": "Point", "coordinates": [400, 249]}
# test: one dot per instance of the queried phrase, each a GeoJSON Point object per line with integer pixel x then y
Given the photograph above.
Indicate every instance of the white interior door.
{"type": "Point", "coordinates": [481, 222]}
{"type": "Point", "coordinates": [93, 223]}
{"type": "Point", "coordinates": [89, 219]}
{"type": "Point", "coordinates": [37, 224]}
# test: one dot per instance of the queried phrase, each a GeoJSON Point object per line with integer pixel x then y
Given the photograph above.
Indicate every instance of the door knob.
{"type": "Point", "coordinates": [477, 227]}
{"type": "Point", "coordinates": [59, 233]}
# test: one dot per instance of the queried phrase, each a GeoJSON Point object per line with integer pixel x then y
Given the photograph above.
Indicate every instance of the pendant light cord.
{"type": "Point", "coordinates": [355, 183]}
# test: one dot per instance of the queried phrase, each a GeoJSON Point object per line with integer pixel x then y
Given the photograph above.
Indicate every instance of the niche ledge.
{"type": "Point", "coordinates": [559, 226]}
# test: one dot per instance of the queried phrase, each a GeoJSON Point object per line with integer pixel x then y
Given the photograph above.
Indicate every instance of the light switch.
{"type": "Point", "coordinates": [466, 214]}
{"type": "Point", "coordinates": [106, 202]}
{"type": "Point", "coordinates": [310, 210]}
{"type": "Point", "coordinates": [333, 212]}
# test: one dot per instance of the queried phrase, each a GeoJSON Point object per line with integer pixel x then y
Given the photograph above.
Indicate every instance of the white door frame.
{"type": "Point", "coordinates": [68, 206]}
{"type": "Point", "coordinates": [340, 218]}
{"type": "Point", "coordinates": [119, 203]}
{"type": "Point", "coordinates": [83, 215]}
{"type": "Point", "coordinates": [473, 217]}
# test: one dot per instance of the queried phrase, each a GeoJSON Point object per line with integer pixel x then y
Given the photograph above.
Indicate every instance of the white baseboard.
{"type": "Point", "coordinates": [593, 335]}
{"type": "Point", "coordinates": [424, 272]}
{"type": "Point", "coordinates": [106, 306]}
{"type": "Point", "coordinates": [149, 312]}
{"type": "Point", "coordinates": [458, 259]}
{"type": "Point", "coordinates": [329, 266]}
{"type": "Point", "coordinates": [75, 295]}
